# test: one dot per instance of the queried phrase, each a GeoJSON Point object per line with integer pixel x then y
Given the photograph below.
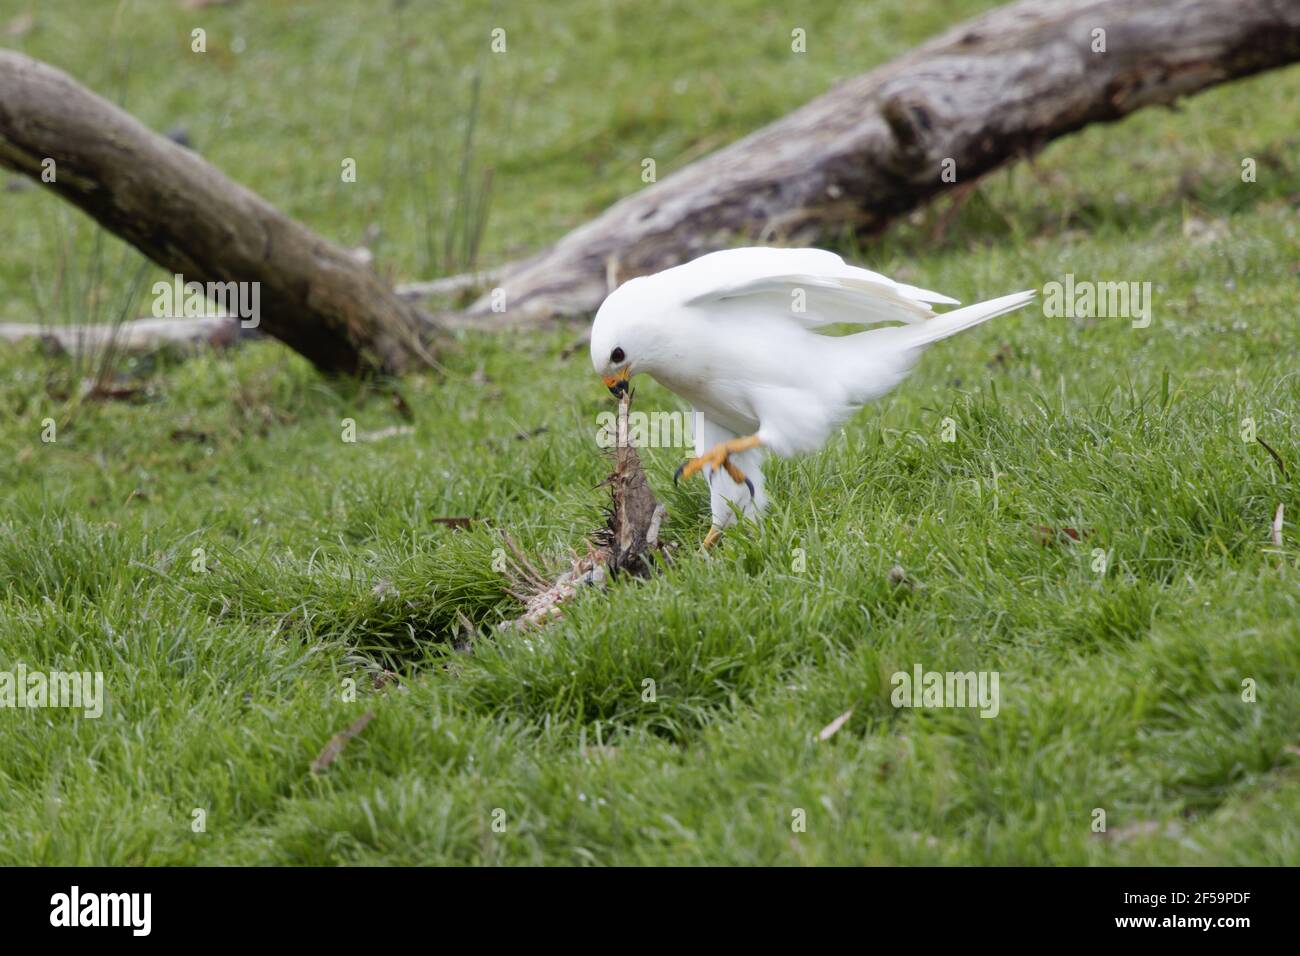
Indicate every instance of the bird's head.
{"type": "Point", "coordinates": [621, 342]}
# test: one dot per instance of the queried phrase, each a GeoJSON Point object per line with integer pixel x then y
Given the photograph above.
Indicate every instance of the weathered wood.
{"type": "Point", "coordinates": [141, 336]}
{"type": "Point", "coordinates": [449, 285]}
{"type": "Point", "coordinates": [996, 88]}
{"type": "Point", "coordinates": [191, 219]}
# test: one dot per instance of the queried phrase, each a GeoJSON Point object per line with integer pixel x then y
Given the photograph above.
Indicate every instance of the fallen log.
{"type": "Point", "coordinates": [187, 216]}
{"type": "Point", "coordinates": [995, 88]}
{"type": "Point", "coordinates": [138, 337]}
{"type": "Point", "coordinates": [449, 285]}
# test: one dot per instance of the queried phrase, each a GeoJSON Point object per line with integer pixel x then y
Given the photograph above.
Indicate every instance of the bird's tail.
{"type": "Point", "coordinates": [958, 320]}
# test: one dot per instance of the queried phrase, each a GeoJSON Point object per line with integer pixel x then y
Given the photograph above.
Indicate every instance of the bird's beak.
{"type": "Point", "coordinates": [617, 383]}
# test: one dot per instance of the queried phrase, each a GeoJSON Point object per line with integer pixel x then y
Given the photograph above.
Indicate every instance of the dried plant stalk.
{"type": "Point", "coordinates": [626, 544]}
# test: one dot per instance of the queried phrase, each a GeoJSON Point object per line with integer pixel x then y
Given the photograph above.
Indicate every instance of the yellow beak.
{"type": "Point", "coordinates": [617, 383]}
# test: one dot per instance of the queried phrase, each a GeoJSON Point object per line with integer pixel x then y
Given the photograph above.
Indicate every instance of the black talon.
{"type": "Point", "coordinates": [678, 473]}
{"type": "Point", "coordinates": [750, 485]}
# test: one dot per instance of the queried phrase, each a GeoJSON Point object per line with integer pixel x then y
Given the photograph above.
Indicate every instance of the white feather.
{"type": "Point", "coordinates": [812, 286]}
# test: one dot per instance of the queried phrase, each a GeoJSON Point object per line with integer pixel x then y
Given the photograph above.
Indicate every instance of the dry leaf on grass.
{"type": "Point", "coordinates": [456, 522]}
{"type": "Point", "coordinates": [1275, 456]}
{"type": "Point", "coordinates": [339, 741]}
{"type": "Point", "coordinates": [1046, 534]}
{"type": "Point", "coordinates": [1143, 828]}
{"type": "Point", "coordinates": [829, 731]}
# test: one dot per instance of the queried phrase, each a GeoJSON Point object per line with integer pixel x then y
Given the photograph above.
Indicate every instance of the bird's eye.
{"type": "Point", "coordinates": [616, 356]}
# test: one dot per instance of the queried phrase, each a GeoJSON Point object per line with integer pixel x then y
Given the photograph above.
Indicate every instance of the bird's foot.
{"type": "Point", "coordinates": [719, 456]}
{"type": "Point", "coordinates": [710, 540]}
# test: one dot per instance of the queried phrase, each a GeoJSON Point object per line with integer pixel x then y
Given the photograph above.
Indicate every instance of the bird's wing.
{"type": "Point", "coordinates": [723, 491]}
{"type": "Point", "coordinates": [810, 286]}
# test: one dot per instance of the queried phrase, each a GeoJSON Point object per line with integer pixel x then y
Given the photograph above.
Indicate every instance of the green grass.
{"type": "Point", "coordinates": [325, 564]}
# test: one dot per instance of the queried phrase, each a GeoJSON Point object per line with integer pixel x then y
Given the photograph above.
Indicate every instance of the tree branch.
{"type": "Point", "coordinates": [188, 217]}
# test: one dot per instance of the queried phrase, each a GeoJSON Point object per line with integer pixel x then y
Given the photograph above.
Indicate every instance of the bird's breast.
{"type": "Point", "coordinates": [722, 400]}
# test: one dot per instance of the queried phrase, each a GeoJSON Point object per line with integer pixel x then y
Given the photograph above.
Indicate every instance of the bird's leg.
{"type": "Point", "coordinates": [719, 456]}
{"type": "Point", "coordinates": [710, 539]}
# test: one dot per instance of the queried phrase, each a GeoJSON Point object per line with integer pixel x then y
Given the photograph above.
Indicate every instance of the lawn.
{"type": "Point", "coordinates": [250, 584]}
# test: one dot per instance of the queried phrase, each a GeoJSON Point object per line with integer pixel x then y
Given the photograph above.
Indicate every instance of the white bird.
{"type": "Point", "coordinates": [734, 333]}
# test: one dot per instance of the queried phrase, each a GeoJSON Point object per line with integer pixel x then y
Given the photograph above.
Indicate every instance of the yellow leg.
{"type": "Point", "coordinates": [719, 456]}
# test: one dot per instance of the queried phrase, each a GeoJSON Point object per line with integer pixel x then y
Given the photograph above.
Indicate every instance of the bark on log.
{"type": "Point", "coordinates": [997, 87]}
{"type": "Point", "coordinates": [191, 219]}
